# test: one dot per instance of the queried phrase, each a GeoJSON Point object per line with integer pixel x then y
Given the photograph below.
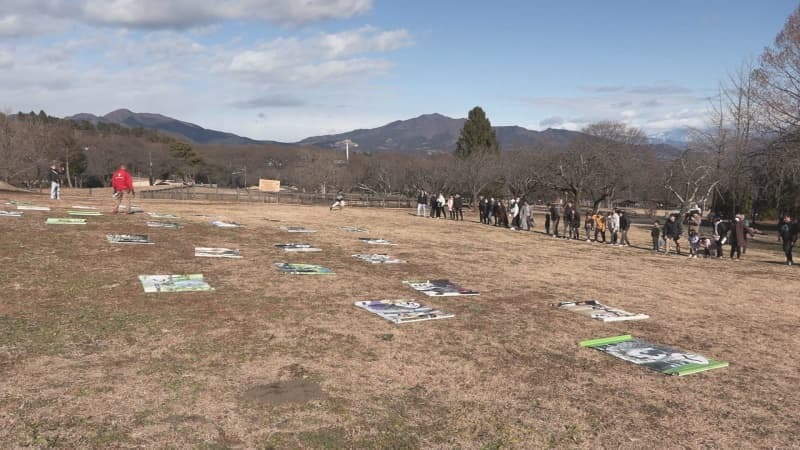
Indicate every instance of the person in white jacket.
{"type": "Point", "coordinates": [613, 226]}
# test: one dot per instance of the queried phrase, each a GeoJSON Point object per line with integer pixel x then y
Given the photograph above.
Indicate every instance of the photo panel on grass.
{"type": "Point", "coordinates": [128, 239]}
{"type": "Point", "coordinates": [64, 221]}
{"type": "Point", "coordinates": [174, 283]}
{"type": "Point", "coordinates": [402, 311]}
{"type": "Point", "coordinates": [292, 247]}
{"type": "Point", "coordinates": [439, 288]}
{"type": "Point", "coordinates": [663, 359]}
{"type": "Point", "coordinates": [599, 311]}
{"type": "Point", "coordinates": [303, 269]}
{"type": "Point", "coordinates": [217, 252]}
{"type": "Point", "coordinates": [378, 258]}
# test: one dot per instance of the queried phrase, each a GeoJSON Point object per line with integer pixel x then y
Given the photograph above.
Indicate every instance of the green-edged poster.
{"type": "Point", "coordinates": [660, 358]}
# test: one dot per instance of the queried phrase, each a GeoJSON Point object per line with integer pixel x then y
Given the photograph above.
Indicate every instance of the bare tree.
{"type": "Point", "coordinates": [691, 179]}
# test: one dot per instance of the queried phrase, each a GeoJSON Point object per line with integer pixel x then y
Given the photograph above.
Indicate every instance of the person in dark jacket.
{"type": "Point", "coordinates": [672, 232]}
{"type": "Point", "coordinates": [501, 219]}
{"type": "Point", "coordinates": [54, 176]}
{"type": "Point", "coordinates": [458, 205]}
{"type": "Point", "coordinates": [569, 218]}
{"type": "Point", "coordinates": [736, 237]}
{"type": "Point", "coordinates": [655, 234]}
{"type": "Point", "coordinates": [555, 218]}
{"type": "Point", "coordinates": [788, 232]}
{"type": "Point", "coordinates": [547, 219]}
{"type": "Point", "coordinates": [434, 205]}
{"type": "Point", "coordinates": [624, 226]}
{"type": "Point", "coordinates": [482, 209]}
{"type": "Point", "coordinates": [720, 234]}
{"type": "Point", "coordinates": [575, 225]}
{"type": "Point", "coordinates": [422, 202]}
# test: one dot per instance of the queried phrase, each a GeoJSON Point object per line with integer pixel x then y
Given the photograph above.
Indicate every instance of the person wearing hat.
{"type": "Point", "coordinates": [54, 176]}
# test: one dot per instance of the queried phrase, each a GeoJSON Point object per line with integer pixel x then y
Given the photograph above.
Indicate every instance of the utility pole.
{"type": "Point", "coordinates": [150, 158]}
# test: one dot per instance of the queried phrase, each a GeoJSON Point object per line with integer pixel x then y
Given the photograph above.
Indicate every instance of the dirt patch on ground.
{"type": "Point", "coordinates": [291, 391]}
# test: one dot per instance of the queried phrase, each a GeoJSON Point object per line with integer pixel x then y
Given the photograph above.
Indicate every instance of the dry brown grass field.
{"type": "Point", "coordinates": [268, 360]}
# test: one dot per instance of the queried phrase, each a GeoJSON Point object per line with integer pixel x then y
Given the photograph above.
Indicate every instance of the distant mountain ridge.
{"type": "Point", "coordinates": [428, 133]}
{"type": "Point", "coordinates": [167, 125]}
{"type": "Point", "coordinates": [438, 133]}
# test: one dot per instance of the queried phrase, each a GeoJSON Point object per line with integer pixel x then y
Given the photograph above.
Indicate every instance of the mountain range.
{"type": "Point", "coordinates": [428, 133]}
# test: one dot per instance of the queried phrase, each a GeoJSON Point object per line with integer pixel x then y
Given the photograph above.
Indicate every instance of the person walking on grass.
{"type": "Point", "coordinates": [787, 233]}
{"type": "Point", "coordinates": [122, 183]}
{"type": "Point", "coordinates": [458, 207]}
{"type": "Point", "coordinates": [569, 219]}
{"type": "Point", "coordinates": [422, 202]}
{"type": "Point", "coordinates": [672, 232]}
{"type": "Point", "coordinates": [434, 210]}
{"type": "Point", "coordinates": [482, 206]}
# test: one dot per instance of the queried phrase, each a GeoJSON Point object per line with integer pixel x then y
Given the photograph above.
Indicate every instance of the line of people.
{"type": "Point", "coordinates": [617, 223]}
{"type": "Point", "coordinates": [515, 213]}
{"type": "Point", "coordinates": [440, 206]}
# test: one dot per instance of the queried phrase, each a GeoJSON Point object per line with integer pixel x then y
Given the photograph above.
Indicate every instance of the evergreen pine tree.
{"type": "Point", "coordinates": [477, 136]}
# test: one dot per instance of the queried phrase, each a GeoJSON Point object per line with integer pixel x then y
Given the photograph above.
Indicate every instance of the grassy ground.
{"type": "Point", "coordinates": [278, 361]}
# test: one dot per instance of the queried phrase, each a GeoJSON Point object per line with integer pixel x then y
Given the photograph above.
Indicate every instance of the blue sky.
{"type": "Point", "coordinates": [288, 69]}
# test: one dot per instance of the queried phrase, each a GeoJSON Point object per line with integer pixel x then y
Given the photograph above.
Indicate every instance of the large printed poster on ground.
{"type": "Point", "coordinates": [82, 212]}
{"type": "Point", "coordinates": [174, 283]}
{"type": "Point", "coordinates": [375, 241]}
{"type": "Point", "coordinates": [350, 229]}
{"type": "Point", "coordinates": [214, 252]}
{"type": "Point", "coordinates": [379, 259]}
{"type": "Point", "coordinates": [32, 208]}
{"type": "Point", "coordinates": [402, 311]}
{"type": "Point", "coordinates": [304, 269]}
{"type": "Point", "coordinates": [439, 288]}
{"type": "Point", "coordinates": [171, 225]}
{"type": "Point", "coordinates": [599, 311]}
{"type": "Point", "coordinates": [223, 224]}
{"type": "Point", "coordinates": [128, 239]}
{"type": "Point", "coordinates": [10, 214]}
{"type": "Point", "coordinates": [660, 358]}
{"type": "Point", "coordinates": [155, 215]}
{"type": "Point", "coordinates": [290, 247]}
{"type": "Point", "coordinates": [60, 221]}
{"type": "Point", "coordinates": [298, 230]}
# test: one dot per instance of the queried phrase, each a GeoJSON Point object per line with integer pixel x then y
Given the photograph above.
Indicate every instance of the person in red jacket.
{"type": "Point", "coordinates": [122, 182]}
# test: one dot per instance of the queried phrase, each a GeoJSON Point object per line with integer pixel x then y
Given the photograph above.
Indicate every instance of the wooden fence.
{"type": "Point", "coordinates": [191, 193]}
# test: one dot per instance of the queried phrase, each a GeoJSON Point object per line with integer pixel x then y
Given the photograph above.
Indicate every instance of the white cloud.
{"type": "Point", "coordinates": [25, 17]}
{"type": "Point", "coordinates": [6, 59]}
{"type": "Point", "coordinates": [319, 59]}
{"type": "Point", "coordinates": [654, 107]}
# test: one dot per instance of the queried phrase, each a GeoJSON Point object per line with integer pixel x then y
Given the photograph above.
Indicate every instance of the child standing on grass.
{"type": "Point", "coordinates": [655, 233]}
{"type": "Point", "coordinates": [694, 243]}
{"type": "Point", "coordinates": [706, 243]}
